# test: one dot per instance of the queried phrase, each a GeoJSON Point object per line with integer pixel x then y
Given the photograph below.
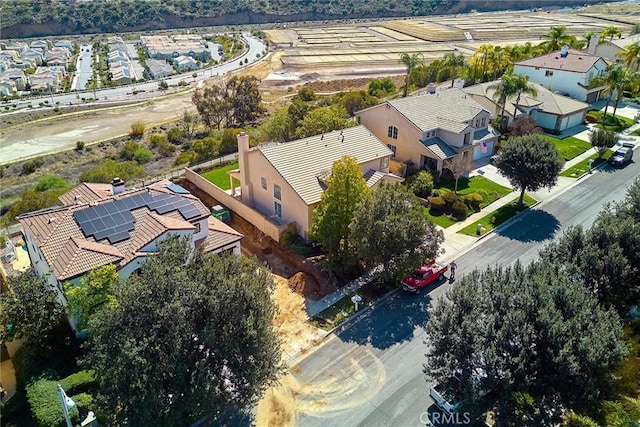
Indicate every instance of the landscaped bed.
{"type": "Point", "coordinates": [494, 219]}
{"type": "Point", "coordinates": [219, 176]}
{"type": "Point", "coordinates": [489, 190]}
{"type": "Point", "coordinates": [569, 147]}
{"type": "Point", "coordinates": [581, 168]}
{"type": "Point", "coordinates": [616, 124]}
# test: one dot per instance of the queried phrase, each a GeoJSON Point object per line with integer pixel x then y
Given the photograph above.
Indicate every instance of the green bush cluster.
{"type": "Point", "coordinates": [45, 404]}
{"type": "Point", "coordinates": [437, 203]}
{"type": "Point", "coordinates": [459, 210]}
{"type": "Point", "coordinates": [591, 118]}
{"type": "Point", "coordinates": [473, 201]}
{"type": "Point", "coordinates": [79, 382]}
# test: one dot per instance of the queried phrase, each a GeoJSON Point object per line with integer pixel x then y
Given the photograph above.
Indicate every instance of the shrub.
{"type": "Point", "coordinates": [110, 169]}
{"type": "Point", "coordinates": [175, 135]}
{"type": "Point", "coordinates": [437, 203]}
{"type": "Point", "coordinates": [28, 167]}
{"type": "Point", "coordinates": [165, 149]}
{"type": "Point", "coordinates": [44, 401]}
{"type": "Point", "coordinates": [473, 200]}
{"type": "Point", "coordinates": [79, 382]}
{"type": "Point", "coordinates": [422, 185]}
{"type": "Point", "coordinates": [591, 118]}
{"type": "Point", "coordinates": [79, 145]}
{"type": "Point", "coordinates": [459, 210]}
{"type": "Point", "coordinates": [129, 150]}
{"type": "Point", "coordinates": [142, 156]}
{"type": "Point", "coordinates": [155, 140]}
{"type": "Point", "coordinates": [137, 129]}
{"type": "Point", "coordinates": [449, 197]}
{"type": "Point", "coordinates": [185, 158]}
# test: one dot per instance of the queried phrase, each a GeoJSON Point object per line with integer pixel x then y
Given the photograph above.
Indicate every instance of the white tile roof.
{"type": "Point", "coordinates": [301, 162]}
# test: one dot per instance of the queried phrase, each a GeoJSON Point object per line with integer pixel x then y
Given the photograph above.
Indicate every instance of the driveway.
{"type": "Point", "coordinates": [483, 167]}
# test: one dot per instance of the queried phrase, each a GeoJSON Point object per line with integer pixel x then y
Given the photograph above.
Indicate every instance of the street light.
{"type": "Point", "coordinates": [67, 403]}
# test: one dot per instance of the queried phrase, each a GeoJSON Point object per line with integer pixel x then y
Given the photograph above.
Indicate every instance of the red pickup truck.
{"type": "Point", "coordinates": [423, 276]}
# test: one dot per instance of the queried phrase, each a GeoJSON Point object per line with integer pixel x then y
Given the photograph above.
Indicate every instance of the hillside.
{"type": "Point", "coordinates": [23, 19]}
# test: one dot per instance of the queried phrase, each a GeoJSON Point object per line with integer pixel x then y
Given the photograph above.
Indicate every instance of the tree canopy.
{"type": "Point", "coordinates": [389, 229]}
{"type": "Point", "coordinates": [529, 162]}
{"type": "Point", "coordinates": [190, 335]}
{"type": "Point", "coordinates": [30, 310]}
{"type": "Point", "coordinates": [602, 140]}
{"type": "Point", "coordinates": [94, 293]}
{"type": "Point", "coordinates": [531, 335]}
{"type": "Point", "coordinates": [346, 188]}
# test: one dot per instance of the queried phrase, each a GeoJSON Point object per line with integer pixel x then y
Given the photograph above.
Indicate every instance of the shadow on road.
{"type": "Point", "coordinates": [393, 323]}
{"type": "Point", "coordinates": [533, 226]}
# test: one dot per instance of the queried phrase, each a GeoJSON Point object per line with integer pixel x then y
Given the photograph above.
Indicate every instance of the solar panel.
{"type": "Point", "coordinates": [103, 233]}
{"type": "Point", "coordinates": [88, 229]}
{"type": "Point", "coordinates": [118, 237]}
{"type": "Point", "coordinates": [101, 211]}
{"type": "Point", "coordinates": [109, 221]}
{"type": "Point", "coordinates": [188, 213]}
{"type": "Point", "coordinates": [165, 208]}
{"type": "Point", "coordinates": [177, 189]}
{"type": "Point", "coordinates": [111, 208]}
{"type": "Point", "coordinates": [80, 216]}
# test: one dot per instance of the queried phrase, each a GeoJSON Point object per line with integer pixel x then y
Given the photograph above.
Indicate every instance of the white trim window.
{"type": "Point", "coordinates": [277, 192]}
{"type": "Point", "coordinates": [392, 132]}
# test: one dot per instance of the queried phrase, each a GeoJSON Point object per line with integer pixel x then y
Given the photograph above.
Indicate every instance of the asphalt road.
{"type": "Point", "coordinates": [84, 68]}
{"type": "Point", "coordinates": [370, 373]}
{"type": "Point", "coordinates": [146, 90]}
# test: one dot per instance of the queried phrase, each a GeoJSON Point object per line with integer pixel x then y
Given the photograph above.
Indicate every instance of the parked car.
{"type": "Point", "coordinates": [623, 155]}
{"type": "Point", "coordinates": [423, 276]}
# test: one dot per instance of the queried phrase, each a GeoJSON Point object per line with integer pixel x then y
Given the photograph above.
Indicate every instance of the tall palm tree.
{"type": "Point", "coordinates": [453, 61]}
{"type": "Point", "coordinates": [610, 32]}
{"type": "Point", "coordinates": [555, 38]}
{"type": "Point", "coordinates": [614, 78]}
{"type": "Point", "coordinates": [520, 84]}
{"type": "Point", "coordinates": [484, 51]}
{"type": "Point", "coordinates": [503, 90]}
{"type": "Point", "coordinates": [631, 54]}
{"type": "Point", "coordinates": [411, 60]}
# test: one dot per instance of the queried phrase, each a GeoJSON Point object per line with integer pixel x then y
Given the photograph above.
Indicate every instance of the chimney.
{"type": "Point", "coordinates": [117, 186]}
{"type": "Point", "coordinates": [564, 51]}
{"type": "Point", "coordinates": [593, 43]}
{"type": "Point", "coordinates": [243, 160]}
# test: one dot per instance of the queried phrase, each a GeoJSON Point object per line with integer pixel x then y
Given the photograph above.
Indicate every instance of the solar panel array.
{"type": "Point", "coordinates": [114, 220]}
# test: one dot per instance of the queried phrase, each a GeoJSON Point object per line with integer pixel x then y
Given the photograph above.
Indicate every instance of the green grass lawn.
{"type": "Point", "coordinates": [219, 176]}
{"type": "Point", "coordinates": [569, 147]}
{"type": "Point", "coordinates": [583, 167]}
{"type": "Point", "coordinates": [617, 124]}
{"type": "Point", "coordinates": [494, 219]}
{"type": "Point", "coordinates": [489, 190]}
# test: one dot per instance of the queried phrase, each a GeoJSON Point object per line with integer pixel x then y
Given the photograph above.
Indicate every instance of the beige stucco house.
{"type": "Point", "coordinates": [428, 129]}
{"type": "Point", "coordinates": [285, 181]}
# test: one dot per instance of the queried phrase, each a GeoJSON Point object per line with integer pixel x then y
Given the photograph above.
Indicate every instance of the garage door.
{"type": "Point", "coordinates": [575, 120]}
{"type": "Point", "coordinates": [482, 150]}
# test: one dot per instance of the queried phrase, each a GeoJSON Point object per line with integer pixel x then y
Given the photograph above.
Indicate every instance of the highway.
{"type": "Point", "coordinates": [144, 90]}
{"type": "Point", "coordinates": [370, 374]}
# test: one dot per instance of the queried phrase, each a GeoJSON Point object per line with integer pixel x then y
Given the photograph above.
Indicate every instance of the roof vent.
{"type": "Point", "coordinates": [564, 51]}
{"type": "Point", "coordinates": [51, 219]}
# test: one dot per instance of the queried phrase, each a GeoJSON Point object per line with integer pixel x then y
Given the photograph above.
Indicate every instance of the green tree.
{"type": "Point", "coordinates": [453, 61]}
{"type": "Point", "coordinates": [422, 184]}
{"type": "Point", "coordinates": [322, 119]}
{"type": "Point", "coordinates": [189, 123]}
{"type": "Point", "coordinates": [503, 90]}
{"type": "Point", "coordinates": [279, 126]}
{"type": "Point", "coordinates": [555, 38]}
{"type": "Point", "coordinates": [631, 54]}
{"type": "Point", "coordinates": [520, 84]}
{"type": "Point", "coordinates": [520, 332]}
{"type": "Point", "coordinates": [529, 162]}
{"type": "Point", "coordinates": [306, 94]}
{"type": "Point", "coordinates": [389, 229]}
{"type": "Point", "coordinates": [206, 148]}
{"type": "Point", "coordinates": [110, 169]}
{"type": "Point", "coordinates": [411, 60]}
{"type": "Point", "coordinates": [381, 87]}
{"type": "Point", "coordinates": [356, 100]}
{"type": "Point", "coordinates": [30, 310]}
{"type": "Point", "coordinates": [51, 182]}
{"type": "Point", "coordinates": [198, 341]}
{"type": "Point", "coordinates": [602, 140]}
{"type": "Point", "coordinates": [212, 105]}
{"type": "Point", "coordinates": [245, 100]}
{"type": "Point", "coordinates": [616, 76]}
{"type": "Point", "coordinates": [346, 188]}
{"type": "Point", "coordinates": [32, 200]}
{"type": "Point", "coordinates": [610, 32]}
{"type": "Point", "coordinates": [95, 291]}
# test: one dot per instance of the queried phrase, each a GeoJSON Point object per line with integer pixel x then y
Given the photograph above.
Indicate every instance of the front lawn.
{"type": "Point", "coordinates": [439, 218]}
{"type": "Point", "coordinates": [494, 219]}
{"type": "Point", "coordinates": [569, 147]}
{"type": "Point", "coordinates": [581, 168]}
{"type": "Point", "coordinates": [219, 176]}
{"type": "Point", "coordinates": [616, 124]}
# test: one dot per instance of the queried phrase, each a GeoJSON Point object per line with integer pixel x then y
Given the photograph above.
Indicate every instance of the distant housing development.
{"type": "Point", "coordinates": [165, 47]}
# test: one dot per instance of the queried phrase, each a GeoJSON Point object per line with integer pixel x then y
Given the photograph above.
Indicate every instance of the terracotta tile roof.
{"type": "Point", "coordinates": [220, 235]}
{"type": "Point", "coordinates": [86, 192]}
{"type": "Point", "coordinates": [575, 61]}
{"type": "Point", "coordinates": [70, 253]}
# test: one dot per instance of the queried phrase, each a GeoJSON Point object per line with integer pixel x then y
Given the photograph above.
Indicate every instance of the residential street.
{"type": "Point", "coordinates": [370, 373]}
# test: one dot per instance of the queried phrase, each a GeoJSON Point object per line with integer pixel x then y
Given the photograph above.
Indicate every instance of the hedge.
{"type": "Point", "coordinates": [79, 382]}
{"type": "Point", "coordinates": [45, 404]}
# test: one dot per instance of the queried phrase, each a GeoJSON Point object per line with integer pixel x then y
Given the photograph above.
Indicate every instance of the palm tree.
{"type": "Point", "coordinates": [631, 54]}
{"type": "Point", "coordinates": [453, 61]}
{"type": "Point", "coordinates": [610, 32]}
{"type": "Point", "coordinates": [615, 77]}
{"type": "Point", "coordinates": [555, 38]}
{"type": "Point", "coordinates": [586, 38]}
{"type": "Point", "coordinates": [411, 60]}
{"type": "Point", "coordinates": [521, 86]}
{"type": "Point", "coordinates": [503, 90]}
{"type": "Point", "coordinates": [484, 51]}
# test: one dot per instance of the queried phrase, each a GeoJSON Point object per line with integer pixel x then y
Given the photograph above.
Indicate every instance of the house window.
{"type": "Point", "coordinates": [277, 192]}
{"type": "Point", "coordinates": [477, 123]}
{"type": "Point", "coordinates": [484, 122]}
{"type": "Point", "coordinates": [467, 138]}
{"type": "Point", "coordinates": [277, 208]}
{"type": "Point", "coordinates": [392, 148]}
{"type": "Point", "coordinates": [392, 132]}
{"type": "Point", "coordinates": [548, 73]}
{"type": "Point", "coordinates": [263, 181]}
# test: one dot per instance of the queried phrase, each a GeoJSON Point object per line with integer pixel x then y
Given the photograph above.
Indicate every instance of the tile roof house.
{"type": "Point", "coordinates": [569, 72]}
{"type": "Point", "coordinates": [609, 49]}
{"type": "Point", "coordinates": [428, 129]}
{"type": "Point", "coordinates": [104, 224]}
{"type": "Point", "coordinates": [285, 181]}
{"type": "Point", "coordinates": [549, 110]}
{"type": "Point", "coordinates": [159, 68]}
